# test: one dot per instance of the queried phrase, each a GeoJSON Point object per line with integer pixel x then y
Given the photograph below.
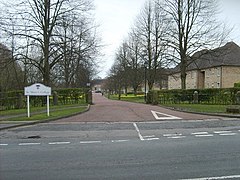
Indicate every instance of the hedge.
{"type": "Point", "coordinates": [16, 99]}
{"type": "Point", "coordinates": [224, 96]}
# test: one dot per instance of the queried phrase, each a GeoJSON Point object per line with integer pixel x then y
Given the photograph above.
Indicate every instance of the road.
{"type": "Point", "coordinates": [138, 147]}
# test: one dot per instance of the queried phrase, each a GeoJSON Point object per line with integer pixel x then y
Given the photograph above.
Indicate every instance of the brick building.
{"type": "Point", "coordinates": [217, 68]}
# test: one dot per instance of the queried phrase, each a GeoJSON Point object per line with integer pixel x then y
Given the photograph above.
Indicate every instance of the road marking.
{"type": "Point", "coordinates": [152, 136]}
{"type": "Point", "coordinates": [89, 142]}
{"type": "Point", "coordinates": [222, 132]}
{"type": "Point", "coordinates": [138, 131]}
{"type": "Point", "coordinates": [58, 143]}
{"type": "Point", "coordinates": [3, 144]}
{"type": "Point", "coordinates": [176, 137]}
{"type": "Point", "coordinates": [151, 139]}
{"type": "Point", "coordinates": [28, 144]}
{"type": "Point", "coordinates": [204, 135]}
{"type": "Point", "coordinates": [116, 141]}
{"type": "Point", "coordinates": [215, 178]}
{"type": "Point", "coordinates": [228, 134]}
{"type": "Point", "coordinates": [163, 116]}
{"type": "Point", "coordinates": [199, 133]}
{"type": "Point", "coordinates": [170, 135]}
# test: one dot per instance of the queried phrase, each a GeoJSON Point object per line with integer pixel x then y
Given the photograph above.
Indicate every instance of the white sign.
{"type": "Point", "coordinates": [37, 90]}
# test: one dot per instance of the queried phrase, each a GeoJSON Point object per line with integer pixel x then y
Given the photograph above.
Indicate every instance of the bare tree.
{"type": "Point", "coordinates": [152, 28]}
{"type": "Point", "coordinates": [193, 27]}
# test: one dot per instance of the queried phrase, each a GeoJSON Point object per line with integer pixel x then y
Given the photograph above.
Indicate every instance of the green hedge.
{"type": "Point", "coordinates": [205, 96]}
{"type": "Point", "coordinates": [16, 99]}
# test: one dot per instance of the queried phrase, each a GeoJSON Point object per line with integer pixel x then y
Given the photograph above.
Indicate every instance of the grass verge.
{"type": "Point", "coordinates": [129, 98]}
{"type": "Point", "coordinates": [39, 114]}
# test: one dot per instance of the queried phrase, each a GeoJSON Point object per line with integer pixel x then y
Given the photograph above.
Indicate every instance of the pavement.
{"type": "Point", "coordinates": [105, 110]}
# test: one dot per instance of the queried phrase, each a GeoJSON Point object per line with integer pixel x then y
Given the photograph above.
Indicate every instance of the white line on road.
{"type": "Point", "coordinates": [28, 144]}
{"type": "Point", "coordinates": [222, 132]}
{"type": "Point", "coordinates": [228, 134]}
{"type": "Point", "coordinates": [163, 116]}
{"type": "Point", "coordinates": [152, 136]}
{"type": "Point", "coordinates": [204, 135]}
{"type": "Point", "coordinates": [89, 142]}
{"type": "Point", "coordinates": [58, 143]}
{"type": "Point", "coordinates": [116, 141]}
{"type": "Point", "coordinates": [170, 135]}
{"type": "Point", "coordinates": [138, 131]}
{"type": "Point", "coordinates": [151, 139]}
{"type": "Point", "coordinates": [199, 133]}
{"type": "Point", "coordinates": [215, 178]}
{"type": "Point", "coordinates": [176, 137]}
{"type": "Point", "coordinates": [3, 144]}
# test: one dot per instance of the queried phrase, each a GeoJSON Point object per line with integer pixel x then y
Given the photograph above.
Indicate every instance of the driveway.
{"type": "Point", "coordinates": [105, 110]}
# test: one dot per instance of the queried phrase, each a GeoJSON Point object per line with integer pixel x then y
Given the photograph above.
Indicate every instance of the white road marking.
{"type": "Point", "coordinates": [215, 178]}
{"type": "Point", "coordinates": [28, 144]}
{"type": "Point", "coordinates": [138, 131]}
{"type": "Point", "coordinates": [58, 143]}
{"type": "Point", "coordinates": [170, 135]}
{"type": "Point", "coordinates": [151, 139]}
{"type": "Point", "coordinates": [116, 141]}
{"type": "Point", "coordinates": [176, 137]}
{"type": "Point", "coordinates": [3, 144]}
{"type": "Point", "coordinates": [222, 132]}
{"type": "Point", "coordinates": [228, 134]}
{"type": "Point", "coordinates": [165, 116]}
{"type": "Point", "coordinates": [199, 133]}
{"type": "Point", "coordinates": [89, 142]}
{"type": "Point", "coordinates": [152, 136]}
{"type": "Point", "coordinates": [204, 135]}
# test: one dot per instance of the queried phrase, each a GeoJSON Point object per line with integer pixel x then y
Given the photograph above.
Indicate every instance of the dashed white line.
{"type": "Point", "coordinates": [176, 137]}
{"type": "Point", "coordinates": [151, 139]}
{"type": "Point", "coordinates": [28, 144]}
{"type": "Point", "coordinates": [222, 132]}
{"type": "Point", "coordinates": [151, 136]}
{"type": "Point", "coordinates": [171, 135]}
{"type": "Point", "coordinates": [3, 144]}
{"type": "Point", "coordinates": [199, 133]}
{"type": "Point", "coordinates": [58, 143]}
{"type": "Point", "coordinates": [204, 135]}
{"type": "Point", "coordinates": [89, 142]}
{"type": "Point", "coordinates": [215, 178]}
{"type": "Point", "coordinates": [228, 134]}
{"type": "Point", "coordinates": [116, 141]}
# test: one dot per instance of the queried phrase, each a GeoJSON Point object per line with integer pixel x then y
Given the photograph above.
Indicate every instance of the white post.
{"type": "Point", "coordinates": [47, 105]}
{"type": "Point", "coordinates": [28, 107]}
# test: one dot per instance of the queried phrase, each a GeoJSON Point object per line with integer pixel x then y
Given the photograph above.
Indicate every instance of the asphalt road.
{"type": "Point", "coordinates": [138, 146]}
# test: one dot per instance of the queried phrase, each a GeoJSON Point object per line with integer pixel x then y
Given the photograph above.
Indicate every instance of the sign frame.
{"type": "Point", "coordinates": [37, 89]}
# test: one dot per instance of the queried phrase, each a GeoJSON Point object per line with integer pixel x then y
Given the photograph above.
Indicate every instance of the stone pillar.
{"type": "Point", "coordinates": [195, 97]}
{"type": "Point", "coordinates": [238, 97]}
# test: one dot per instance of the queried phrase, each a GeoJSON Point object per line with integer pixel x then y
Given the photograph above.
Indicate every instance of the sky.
{"type": "Point", "coordinates": [116, 17]}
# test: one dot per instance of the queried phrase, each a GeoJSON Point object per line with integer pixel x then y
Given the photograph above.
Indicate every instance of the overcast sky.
{"type": "Point", "coordinates": [116, 17]}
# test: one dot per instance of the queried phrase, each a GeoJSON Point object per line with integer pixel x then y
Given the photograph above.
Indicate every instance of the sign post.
{"type": "Point", "coordinates": [37, 89]}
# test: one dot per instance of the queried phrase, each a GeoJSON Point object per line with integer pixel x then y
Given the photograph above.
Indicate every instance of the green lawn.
{"type": "Point", "coordinates": [199, 107]}
{"type": "Point", "coordinates": [38, 114]}
{"type": "Point", "coordinates": [130, 98]}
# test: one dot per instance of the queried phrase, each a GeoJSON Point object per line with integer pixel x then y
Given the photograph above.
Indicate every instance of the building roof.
{"type": "Point", "coordinates": [227, 55]}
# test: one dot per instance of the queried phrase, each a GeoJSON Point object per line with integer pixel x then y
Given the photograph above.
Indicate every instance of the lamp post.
{"type": "Point", "coordinates": [145, 81]}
